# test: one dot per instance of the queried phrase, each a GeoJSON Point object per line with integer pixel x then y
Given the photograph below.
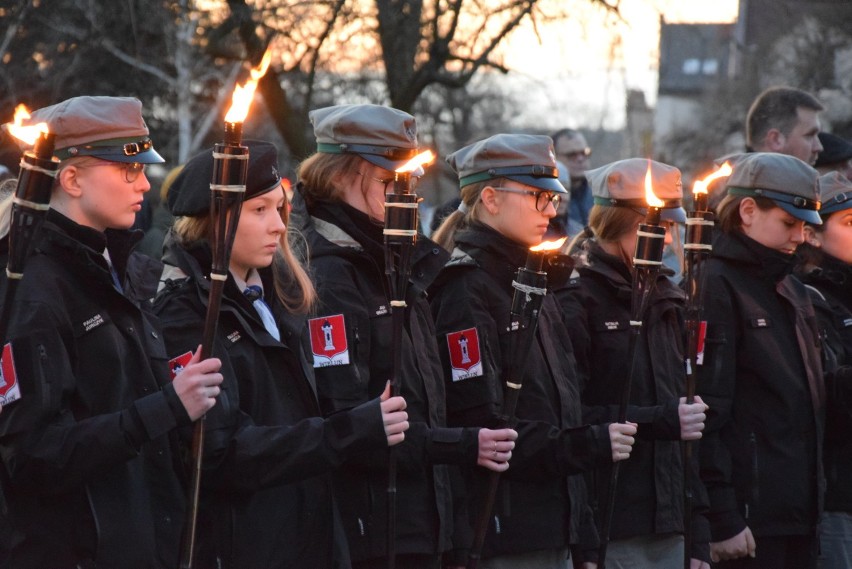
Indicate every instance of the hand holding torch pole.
{"type": "Point", "coordinates": [647, 261]}
{"type": "Point", "coordinates": [228, 186]}
{"type": "Point", "coordinates": [697, 247]}
{"type": "Point", "coordinates": [29, 206]}
{"type": "Point", "coordinates": [530, 286]}
{"type": "Point", "coordinates": [400, 235]}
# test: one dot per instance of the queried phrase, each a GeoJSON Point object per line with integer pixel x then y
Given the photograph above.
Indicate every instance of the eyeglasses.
{"type": "Point", "coordinates": [542, 198]}
{"type": "Point", "coordinates": [585, 152]}
{"type": "Point", "coordinates": [131, 169]}
{"type": "Point", "coordinates": [386, 182]}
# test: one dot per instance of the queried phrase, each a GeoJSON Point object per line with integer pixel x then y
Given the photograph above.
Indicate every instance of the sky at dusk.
{"type": "Point", "coordinates": [575, 73]}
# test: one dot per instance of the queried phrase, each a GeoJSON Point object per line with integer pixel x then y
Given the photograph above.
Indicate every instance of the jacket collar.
{"type": "Point", "coordinates": [738, 248]}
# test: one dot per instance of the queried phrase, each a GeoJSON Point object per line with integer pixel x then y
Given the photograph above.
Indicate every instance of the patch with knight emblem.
{"type": "Point", "coordinates": [328, 341]}
{"type": "Point", "coordinates": [10, 391]}
{"type": "Point", "coordinates": [465, 358]}
{"type": "Point", "coordinates": [177, 364]}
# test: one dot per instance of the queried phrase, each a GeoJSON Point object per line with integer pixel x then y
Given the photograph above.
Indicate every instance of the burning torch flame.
{"type": "Point", "coordinates": [27, 134]}
{"type": "Point", "coordinates": [700, 186]}
{"type": "Point", "coordinates": [244, 94]}
{"type": "Point", "coordinates": [420, 160]}
{"type": "Point", "coordinates": [650, 196]}
{"type": "Point", "coordinates": [549, 245]}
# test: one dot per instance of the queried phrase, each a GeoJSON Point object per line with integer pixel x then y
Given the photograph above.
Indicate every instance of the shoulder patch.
{"type": "Point", "coordinates": [465, 358]}
{"type": "Point", "coordinates": [702, 333]}
{"type": "Point", "coordinates": [177, 364]}
{"type": "Point", "coordinates": [328, 341]}
{"type": "Point", "coordinates": [9, 389]}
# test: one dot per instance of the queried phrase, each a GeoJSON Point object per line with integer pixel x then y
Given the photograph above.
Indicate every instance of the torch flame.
{"type": "Point", "coordinates": [549, 245]}
{"type": "Point", "coordinates": [420, 160]}
{"type": "Point", "coordinates": [650, 196]}
{"type": "Point", "coordinates": [27, 134]}
{"type": "Point", "coordinates": [700, 186]}
{"type": "Point", "coordinates": [244, 94]}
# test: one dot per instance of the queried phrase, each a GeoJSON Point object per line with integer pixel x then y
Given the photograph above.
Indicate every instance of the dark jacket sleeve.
{"type": "Point", "coordinates": [341, 387]}
{"type": "Point", "coordinates": [242, 455]}
{"type": "Point", "coordinates": [44, 446]}
{"type": "Point", "coordinates": [716, 385]}
{"type": "Point", "coordinates": [542, 450]}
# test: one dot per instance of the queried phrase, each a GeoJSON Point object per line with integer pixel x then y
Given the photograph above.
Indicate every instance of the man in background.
{"type": "Point", "coordinates": [571, 149]}
{"type": "Point", "coordinates": [785, 120]}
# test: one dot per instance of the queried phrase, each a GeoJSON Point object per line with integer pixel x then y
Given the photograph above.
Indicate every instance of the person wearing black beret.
{"type": "Point", "coordinates": [89, 447]}
{"type": "Point", "coordinates": [835, 156]}
{"type": "Point", "coordinates": [266, 499]}
{"type": "Point", "coordinates": [340, 207]}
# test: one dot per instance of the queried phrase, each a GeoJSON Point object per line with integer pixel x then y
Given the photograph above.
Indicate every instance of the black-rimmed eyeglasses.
{"type": "Point", "coordinates": [542, 198]}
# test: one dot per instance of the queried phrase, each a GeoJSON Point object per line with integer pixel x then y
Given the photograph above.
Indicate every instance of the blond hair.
{"type": "Point", "coordinates": [293, 287]}
{"type": "Point", "coordinates": [445, 235]}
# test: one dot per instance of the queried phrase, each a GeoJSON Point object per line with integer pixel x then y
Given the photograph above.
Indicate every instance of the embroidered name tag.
{"type": "Point", "coordinates": [760, 323]}
{"type": "Point", "coordinates": [93, 322]}
{"type": "Point", "coordinates": [234, 336]}
{"type": "Point", "coordinates": [847, 322]}
{"type": "Point", "coordinates": [9, 389]}
{"type": "Point", "coordinates": [328, 341]}
{"type": "Point", "coordinates": [381, 310]}
{"type": "Point", "coordinates": [465, 359]}
{"type": "Point", "coordinates": [177, 364]}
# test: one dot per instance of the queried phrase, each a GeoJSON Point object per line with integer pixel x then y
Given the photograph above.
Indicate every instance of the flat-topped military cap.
{"type": "Point", "coordinates": [524, 158]}
{"type": "Point", "coordinates": [109, 128]}
{"type": "Point", "coordinates": [622, 184]}
{"type": "Point", "coordinates": [835, 193]}
{"type": "Point", "coordinates": [190, 193]}
{"type": "Point", "coordinates": [834, 150]}
{"type": "Point", "coordinates": [789, 182]}
{"type": "Point", "coordinates": [383, 136]}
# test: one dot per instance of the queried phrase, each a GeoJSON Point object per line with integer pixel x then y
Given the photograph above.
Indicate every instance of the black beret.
{"type": "Point", "coordinates": [190, 192]}
{"type": "Point", "coordinates": [834, 149]}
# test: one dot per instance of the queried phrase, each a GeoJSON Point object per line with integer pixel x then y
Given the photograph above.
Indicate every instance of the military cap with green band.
{"type": "Point", "coordinates": [383, 136]}
{"type": "Point", "coordinates": [109, 128]}
{"type": "Point", "coordinates": [835, 191]}
{"type": "Point", "coordinates": [524, 158]}
{"type": "Point", "coordinates": [790, 183]}
{"type": "Point", "coordinates": [622, 184]}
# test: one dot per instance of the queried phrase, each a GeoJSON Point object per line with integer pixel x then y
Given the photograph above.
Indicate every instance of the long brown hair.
{"type": "Point", "coordinates": [293, 287]}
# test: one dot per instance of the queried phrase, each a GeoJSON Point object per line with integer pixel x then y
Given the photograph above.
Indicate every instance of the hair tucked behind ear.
{"type": "Point", "coordinates": [458, 220]}
{"type": "Point", "coordinates": [728, 211]}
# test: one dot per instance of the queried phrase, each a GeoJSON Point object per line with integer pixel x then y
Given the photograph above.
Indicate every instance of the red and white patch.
{"type": "Point", "coordinates": [9, 389]}
{"type": "Point", "coordinates": [702, 333]}
{"type": "Point", "coordinates": [177, 364]}
{"type": "Point", "coordinates": [328, 341]}
{"type": "Point", "coordinates": [465, 359]}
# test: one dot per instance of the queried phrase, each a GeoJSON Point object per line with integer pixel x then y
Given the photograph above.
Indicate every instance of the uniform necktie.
{"type": "Point", "coordinates": [255, 294]}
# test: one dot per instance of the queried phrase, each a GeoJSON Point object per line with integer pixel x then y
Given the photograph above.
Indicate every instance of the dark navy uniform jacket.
{"type": "Point", "coordinates": [761, 454]}
{"type": "Point", "coordinates": [347, 265]}
{"type": "Point", "coordinates": [597, 310]}
{"type": "Point", "coordinates": [90, 456]}
{"type": "Point", "coordinates": [830, 289]}
{"type": "Point", "coordinates": [539, 506]}
{"type": "Point", "coordinates": [267, 496]}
